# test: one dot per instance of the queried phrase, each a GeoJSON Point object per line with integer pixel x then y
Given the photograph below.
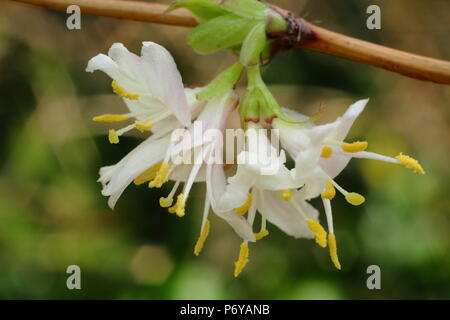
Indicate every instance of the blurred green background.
{"type": "Point", "coordinates": [52, 214]}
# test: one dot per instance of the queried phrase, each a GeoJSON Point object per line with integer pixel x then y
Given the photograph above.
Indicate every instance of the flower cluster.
{"type": "Point", "coordinates": [257, 179]}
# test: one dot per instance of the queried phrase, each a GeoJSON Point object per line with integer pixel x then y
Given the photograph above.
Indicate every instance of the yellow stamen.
{"type": "Point", "coordinates": [326, 152]}
{"type": "Point", "coordinates": [354, 198]}
{"type": "Point", "coordinates": [148, 174]}
{"type": "Point", "coordinates": [329, 192]}
{"type": "Point", "coordinates": [165, 202]}
{"type": "Point", "coordinates": [109, 118]}
{"type": "Point", "coordinates": [410, 163]}
{"type": "Point", "coordinates": [143, 126]}
{"type": "Point", "coordinates": [242, 260]}
{"type": "Point", "coordinates": [333, 251]}
{"type": "Point", "coordinates": [161, 176]}
{"type": "Point", "coordinates": [244, 208]}
{"type": "Point", "coordinates": [179, 206]}
{"type": "Point", "coordinates": [355, 146]}
{"type": "Point", "coordinates": [261, 234]}
{"type": "Point", "coordinates": [201, 240]}
{"type": "Point", "coordinates": [122, 92]}
{"type": "Point", "coordinates": [286, 194]}
{"type": "Point", "coordinates": [113, 137]}
{"type": "Point", "coordinates": [173, 209]}
{"type": "Point", "coordinates": [319, 232]}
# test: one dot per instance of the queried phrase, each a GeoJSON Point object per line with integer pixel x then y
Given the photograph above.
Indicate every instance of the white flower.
{"type": "Point", "coordinates": [184, 157]}
{"type": "Point", "coordinates": [259, 165]}
{"type": "Point", "coordinates": [150, 85]}
{"type": "Point", "coordinates": [320, 154]}
{"type": "Point", "coordinates": [185, 152]}
{"type": "Point", "coordinates": [263, 183]}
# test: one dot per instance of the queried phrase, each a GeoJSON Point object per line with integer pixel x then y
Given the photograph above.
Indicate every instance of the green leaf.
{"type": "Point", "coordinates": [252, 9]}
{"type": "Point", "coordinates": [223, 82]}
{"type": "Point", "coordinates": [203, 9]}
{"type": "Point", "coordinates": [219, 33]}
{"type": "Point", "coordinates": [253, 45]}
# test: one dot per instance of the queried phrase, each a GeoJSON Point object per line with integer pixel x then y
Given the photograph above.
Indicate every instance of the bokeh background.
{"type": "Point", "coordinates": [52, 214]}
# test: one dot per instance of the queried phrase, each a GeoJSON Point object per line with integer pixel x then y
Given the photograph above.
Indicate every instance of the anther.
{"type": "Point", "coordinates": [122, 92]}
{"type": "Point", "coordinates": [319, 232]}
{"type": "Point", "coordinates": [354, 198]}
{"type": "Point", "coordinates": [113, 137]}
{"type": "Point", "coordinates": [244, 208]}
{"type": "Point", "coordinates": [329, 192]}
{"type": "Point", "coordinates": [355, 146]}
{"type": "Point", "coordinates": [326, 152]}
{"type": "Point", "coordinates": [242, 260]}
{"type": "Point", "coordinates": [410, 163]}
{"type": "Point", "coordinates": [261, 234]}
{"type": "Point", "coordinates": [286, 194]}
{"type": "Point", "coordinates": [201, 240]}
{"type": "Point", "coordinates": [109, 118]}
{"type": "Point", "coordinates": [333, 251]}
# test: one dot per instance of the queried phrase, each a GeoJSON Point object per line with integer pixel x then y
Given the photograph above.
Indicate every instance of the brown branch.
{"type": "Point", "coordinates": [130, 10]}
{"type": "Point", "coordinates": [407, 64]}
{"type": "Point", "coordinates": [302, 35]}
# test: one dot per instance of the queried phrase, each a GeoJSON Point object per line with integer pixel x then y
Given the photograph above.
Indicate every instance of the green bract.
{"type": "Point", "coordinates": [253, 45]}
{"type": "Point", "coordinates": [251, 104]}
{"type": "Point", "coordinates": [267, 105]}
{"type": "Point", "coordinates": [223, 82]}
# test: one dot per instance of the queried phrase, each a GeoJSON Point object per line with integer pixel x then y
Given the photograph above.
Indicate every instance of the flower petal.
{"type": "Point", "coordinates": [215, 186]}
{"type": "Point", "coordinates": [314, 184]}
{"type": "Point", "coordinates": [116, 178]}
{"type": "Point", "coordinates": [335, 164]}
{"type": "Point", "coordinates": [164, 80]}
{"type": "Point", "coordinates": [145, 106]}
{"type": "Point", "coordinates": [225, 197]}
{"type": "Point", "coordinates": [346, 121]}
{"type": "Point", "coordinates": [285, 215]}
{"type": "Point", "coordinates": [122, 66]}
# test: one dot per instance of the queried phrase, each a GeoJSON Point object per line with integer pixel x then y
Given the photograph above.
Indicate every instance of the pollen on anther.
{"type": "Point", "coordinates": [326, 152]}
{"type": "Point", "coordinates": [172, 209]}
{"type": "Point", "coordinates": [180, 205]}
{"type": "Point", "coordinates": [410, 163]}
{"type": "Point", "coordinates": [122, 92]}
{"type": "Point", "coordinates": [329, 192]}
{"type": "Point", "coordinates": [356, 146]}
{"type": "Point", "coordinates": [242, 261]}
{"type": "Point", "coordinates": [165, 202]}
{"type": "Point", "coordinates": [355, 198]}
{"type": "Point", "coordinates": [143, 126]}
{"type": "Point", "coordinates": [148, 174]}
{"type": "Point", "coordinates": [333, 251]}
{"type": "Point", "coordinates": [109, 118]}
{"type": "Point", "coordinates": [286, 194]}
{"type": "Point", "coordinates": [161, 176]}
{"type": "Point", "coordinates": [201, 240]}
{"type": "Point", "coordinates": [319, 232]}
{"type": "Point", "coordinates": [244, 208]}
{"type": "Point", "coordinates": [261, 234]}
{"type": "Point", "coordinates": [113, 137]}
